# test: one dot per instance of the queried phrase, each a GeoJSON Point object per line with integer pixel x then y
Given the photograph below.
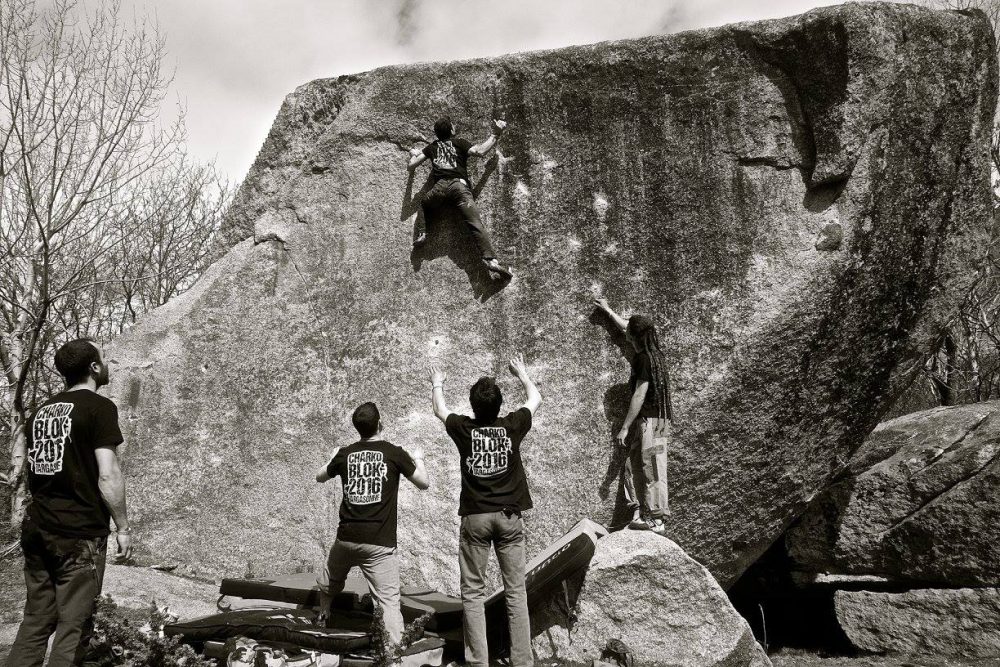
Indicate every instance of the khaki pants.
{"type": "Point", "coordinates": [505, 534]}
{"type": "Point", "coordinates": [647, 444]}
{"type": "Point", "coordinates": [379, 565]}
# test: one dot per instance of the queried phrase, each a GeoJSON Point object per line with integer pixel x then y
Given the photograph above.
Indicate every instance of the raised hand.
{"type": "Point", "coordinates": [517, 366]}
{"type": "Point", "coordinates": [437, 375]}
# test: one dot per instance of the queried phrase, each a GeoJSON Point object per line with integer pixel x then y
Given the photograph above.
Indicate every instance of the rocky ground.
{"type": "Point", "coordinates": [798, 658]}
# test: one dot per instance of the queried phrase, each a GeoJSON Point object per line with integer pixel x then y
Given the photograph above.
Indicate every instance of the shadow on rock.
{"type": "Point", "coordinates": [447, 235]}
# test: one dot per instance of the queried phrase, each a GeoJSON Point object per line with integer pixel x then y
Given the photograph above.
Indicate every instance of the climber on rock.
{"type": "Point", "coordinates": [645, 431]}
{"type": "Point", "coordinates": [448, 155]}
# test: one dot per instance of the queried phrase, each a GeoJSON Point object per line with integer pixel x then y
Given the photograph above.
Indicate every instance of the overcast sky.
{"type": "Point", "coordinates": [236, 60]}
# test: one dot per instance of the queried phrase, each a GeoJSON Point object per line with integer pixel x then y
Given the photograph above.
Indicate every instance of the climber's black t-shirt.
{"type": "Point", "coordinates": [492, 474]}
{"type": "Point", "coordinates": [448, 158]}
{"type": "Point", "coordinates": [369, 474]}
{"type": "Point", "coordinates": [642, 371]}
{"type": "Point", "coordinates": [62, 466]}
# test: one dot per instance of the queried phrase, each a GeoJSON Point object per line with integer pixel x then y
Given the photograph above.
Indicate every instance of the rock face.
{"type": "Point", "coordinates": [918, 502]}
{"type": "Point", "coordinates": [688, 177]}
{"type": "Point", "coordinates": [934, 622]}
{"type": "Point", "coordinates": [643, 590]}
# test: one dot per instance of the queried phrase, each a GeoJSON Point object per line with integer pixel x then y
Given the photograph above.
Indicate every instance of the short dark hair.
{"type": "Point", "coordinates": [486, 399]}
{"type": "Point", "coordinates": [74, 358]}
{"type": "Point", "coordinates": [443, 128]}
{"type": "Point", "coordinates": [365, 419]}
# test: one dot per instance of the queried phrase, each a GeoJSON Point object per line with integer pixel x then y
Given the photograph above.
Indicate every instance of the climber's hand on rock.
{"type": "Point", "coordinates": [414, 152]}
{"type": "Point", "coordinates": [517, 366]}
{"type": "Point", "coordinates": [602, 304]}
{"type": "Point", "coordinates": [499, 126]}
{"type": "Point", "coordinates": [437, 375]}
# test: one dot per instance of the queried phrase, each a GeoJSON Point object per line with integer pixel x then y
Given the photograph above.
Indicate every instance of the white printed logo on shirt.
{"type": "Point", "coordinates": [446, 156]}
{"type": "Point", "coordinates": [491, 450]}
{"type": "Point", "coordinates": [49, 432]}
{"type": "Point", "coordinates": [366, 471]}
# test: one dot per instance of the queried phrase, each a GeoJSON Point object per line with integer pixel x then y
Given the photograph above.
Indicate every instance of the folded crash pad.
{"type": "Point", "coordinates": [291, 626]}
{"type": "Point", "coordinates": [556, 563]}
{"type": "Point", "coordinates": [301, 589]}
{"type": "Point", "coordinates": [294, 589]}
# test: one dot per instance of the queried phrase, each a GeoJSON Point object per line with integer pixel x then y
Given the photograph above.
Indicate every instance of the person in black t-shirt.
{"type": "Point", "coordinates": [369, 472]}
{"type": "Point", "coordinates": [449, 155]}
{"type": "Point", "coordinates": [70, 445]}
{"type": "Point", "coordinates": [494, 494]}
{"type": "Point", "coordinates": [645, 432]}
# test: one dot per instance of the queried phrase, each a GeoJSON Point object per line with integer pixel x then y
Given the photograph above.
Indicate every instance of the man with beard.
{"type": "Point", "coordinates": [76, 488]}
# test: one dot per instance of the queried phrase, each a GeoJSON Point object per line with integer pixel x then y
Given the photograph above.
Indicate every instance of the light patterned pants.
{"type": "Point", "coordinates": [648, 441]}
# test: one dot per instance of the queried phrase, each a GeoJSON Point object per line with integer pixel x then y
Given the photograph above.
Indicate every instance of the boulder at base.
{"type": "Point", "coordinates": [689, 177]}
{"type": "Point", "coordinates": [643, 590]}
{"type": "Point", "coordinates": [960, 622]}
{"type": "Point", "coordinates": [918, 503]}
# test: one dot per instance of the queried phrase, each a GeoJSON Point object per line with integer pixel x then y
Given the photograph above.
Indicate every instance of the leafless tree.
{"type": "Point", "coordinates": [966, 365]}
{"type": "Point", "coordinates": [101, 215]}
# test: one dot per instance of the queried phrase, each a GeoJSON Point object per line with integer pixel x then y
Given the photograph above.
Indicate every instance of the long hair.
{"type": "Point", "coordinates": [643, 332]}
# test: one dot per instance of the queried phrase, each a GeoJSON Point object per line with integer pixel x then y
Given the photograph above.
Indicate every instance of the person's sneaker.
{"type": "Point", "coordinates": [420, 240]}
{"type": "Point", "coordinates": [493, 266]}
{"type": "Point", "coordinates": [657, 526]}
{"type": "Point", "coordinates": [640, 523]}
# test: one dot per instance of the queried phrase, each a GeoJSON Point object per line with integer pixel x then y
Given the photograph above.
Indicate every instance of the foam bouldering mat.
{"type": "Point", "coordinates": [291, 626]}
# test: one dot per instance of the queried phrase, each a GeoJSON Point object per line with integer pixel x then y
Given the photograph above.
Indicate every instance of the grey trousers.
{"type": "Point", "coordinates": [379, 565]}
{"type": "Point", "coordinates": [505, 534]}
{"type": "Point", "coordinates": [648, 443]}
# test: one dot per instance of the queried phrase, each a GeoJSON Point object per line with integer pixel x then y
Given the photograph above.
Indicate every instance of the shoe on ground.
{"type": "Point", "coordinates": [420, 241]}
{"type": "Point", "coordinates": [494, 266]}
{"type": "Point", "coordinates": [640, 524]}
{"type": "Point", "coordinates": [657, 526]}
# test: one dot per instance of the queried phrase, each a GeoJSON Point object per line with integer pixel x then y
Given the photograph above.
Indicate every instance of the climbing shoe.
{"type": "Point", "coordinates": [641, 523]}
{"type": "Point", "coordinates": [493, 266]}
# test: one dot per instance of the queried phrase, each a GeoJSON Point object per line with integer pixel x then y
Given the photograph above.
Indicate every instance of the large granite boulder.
{"type": "Point", "coordinates": [643, 590]}
{"type": "Point", "coordinates": [797, 203]}
{"type": "Point", "coordinates": [918, 502]}
{"type": "Point", "coordinates": [960, 622]}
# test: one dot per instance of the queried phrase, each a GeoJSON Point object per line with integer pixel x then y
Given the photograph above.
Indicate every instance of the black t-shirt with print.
{"type": "Point", "coordinates": [448, 158]}
{"type": "Point", "coordinates": [492, 474]}
{"type": "Point", "coordinates": [62, 466]}
{"type": "Point", "coordinates": [369, 473]}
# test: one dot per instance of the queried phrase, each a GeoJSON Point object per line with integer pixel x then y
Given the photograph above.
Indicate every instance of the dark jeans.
{"type": "Point", "coordinates": [64, 576]}
{"type": "Point", "coordinates": [455, 191]}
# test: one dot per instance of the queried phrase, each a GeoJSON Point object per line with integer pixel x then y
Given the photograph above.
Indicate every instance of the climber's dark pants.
{"type": "Point", "coordinates": [455, 191]}
{"type": "Point", "coordinates": [63, 576]}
